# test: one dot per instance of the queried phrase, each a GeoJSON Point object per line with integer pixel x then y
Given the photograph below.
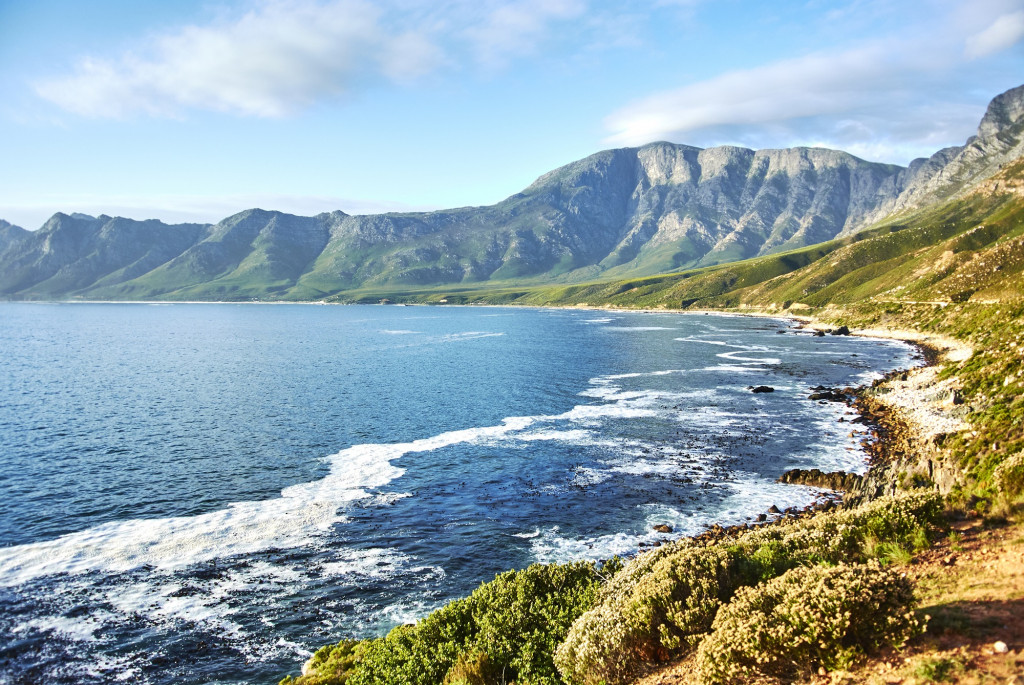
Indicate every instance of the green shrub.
{"type": "Point", "coordinates": [509, 627]}
{"type": "Point", "coordinates": [473, 668]}
{"type": "Point", "coordinates": [1008, 477]}
{"type": "Point", "coordinates": [806, 618]}
{"type": "Point", "coordinates": [938, 669]}
{"type": "Point", "coordinates": [522, 616]}
{"type": "Point", "coordinates": [330, 665]}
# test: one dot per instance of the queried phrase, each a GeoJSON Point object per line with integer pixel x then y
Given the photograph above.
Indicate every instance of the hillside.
{"type": "Point", "coordinates": [622, 213]}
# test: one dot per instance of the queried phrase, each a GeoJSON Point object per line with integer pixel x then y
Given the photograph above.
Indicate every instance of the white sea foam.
{"type": "Point", "coordinates": [639, 328]}
{"type": "Point", "coordinates": [745, 498]}
{"type": "Point", "coordinates": [722, 343]}
{"type": "Point", "coordinates": [399, 332]}
{"type": "Point", "coordinates": [297, 518]}
{"type": "Point", "coordinates": [733, 368]}
{"type": "Point", "coordinates": [79, 629]}
{"type": "Point", "coordinates": [737, 357]}
{"type": "Point", "coordinates": [468, 335]}
{"type": "Point", "coordinates": [577, 436]}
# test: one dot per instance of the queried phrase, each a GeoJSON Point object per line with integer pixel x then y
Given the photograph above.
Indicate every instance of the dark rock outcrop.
{"type": "Point", "coordinates": [835, 480]}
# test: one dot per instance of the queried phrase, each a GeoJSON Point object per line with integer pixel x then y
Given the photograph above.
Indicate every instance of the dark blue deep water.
{"type": "Point", "coordinates": [206, 493]}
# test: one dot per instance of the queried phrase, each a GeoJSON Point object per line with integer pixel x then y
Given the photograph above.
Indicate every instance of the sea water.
{"type": "Point", "coordinates": [205, 493]}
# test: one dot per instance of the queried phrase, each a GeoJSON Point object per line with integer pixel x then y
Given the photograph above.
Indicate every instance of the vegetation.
{"type": "Point", "coordinates": [569, 623]}
{"type": "Point", "coordinates": [808, 618]}
{"type": "Point", "coordinates": [506, 631]}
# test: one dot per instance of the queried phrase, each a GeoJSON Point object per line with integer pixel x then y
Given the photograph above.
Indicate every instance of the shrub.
{"type": "Point", "coordinates": [938, 669]}
{"type": "Point", "coordinates": [1008, 477]}
{"type": "Point", "coordinates": [522, 616]}
{"type": "Point", "coordinates": [659, 603]}
{"type": "Point", "coordinates": [663, 600]}
{"type": "Point", "coordinates": [507, 630]}
{"type": "Point", "coordinates": [473, 668]}
{"type": "Point", "coordinates": [330, 665]}
{"type": "Point", "coordinates": [844, 535]}
{"type": "Point", "coordinates": [806, 618]}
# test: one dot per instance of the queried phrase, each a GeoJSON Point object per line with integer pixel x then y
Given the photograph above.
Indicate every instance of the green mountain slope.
{"type": "Point", "coordinates": [969, 249]}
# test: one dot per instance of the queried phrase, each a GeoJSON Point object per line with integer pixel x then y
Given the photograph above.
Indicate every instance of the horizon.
{"type": "Point", "coordinates": [371, 107]}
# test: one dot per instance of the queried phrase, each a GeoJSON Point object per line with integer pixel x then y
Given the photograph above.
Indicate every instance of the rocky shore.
{"type": "Point", "coordinates": [909, 413]}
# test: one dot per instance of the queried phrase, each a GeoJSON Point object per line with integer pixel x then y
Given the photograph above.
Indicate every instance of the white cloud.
{"type": "Point", "coordinates": [889, 99]}
{"type": "Point", "coordinates": [1003, 33]}
{"type": "Point", "coordinates": [270, 62]}
{"type": "Point", "coordinates": [281, 57]}
{"type": "Point", "coordinates": [515, 29]}
{"type": "Point", "coordinates": [809, 86]}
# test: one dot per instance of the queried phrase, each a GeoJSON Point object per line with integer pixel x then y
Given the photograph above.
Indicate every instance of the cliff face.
{"type": "Point", "coordinates": [955, 171]}
{"type": "Point", "coordinates": [618, 213]}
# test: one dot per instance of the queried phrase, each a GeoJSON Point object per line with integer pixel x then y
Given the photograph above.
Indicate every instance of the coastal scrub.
{"type": "Point", "coordinates": [809, 617]}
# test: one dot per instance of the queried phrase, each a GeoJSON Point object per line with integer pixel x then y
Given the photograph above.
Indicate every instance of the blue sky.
{"type": "Point", "coordinates": [192, 110]}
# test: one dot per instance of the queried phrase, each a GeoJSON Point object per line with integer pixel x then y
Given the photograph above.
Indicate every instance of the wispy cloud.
{"type": "Point", "coordinates": [270, 62]}
{"type": "Point", "coordinates": [516, 29]}
{"type": "Point", "coordinates": [1006, 31]}
{"type": "Point", "coordinates": [280, 57]}
{"type": "Point", "coordinates": [888, 99]}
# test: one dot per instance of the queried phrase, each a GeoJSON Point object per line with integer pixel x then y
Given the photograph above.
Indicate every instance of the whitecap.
{"type": "Point", "coordinates": [737, 357]}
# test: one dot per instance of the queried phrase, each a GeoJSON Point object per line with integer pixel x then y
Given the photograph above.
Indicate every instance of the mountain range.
{"type": "Point", "coordinates": [622, 213]}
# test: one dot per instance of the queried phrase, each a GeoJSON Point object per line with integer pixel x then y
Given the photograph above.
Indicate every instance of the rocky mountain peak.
{"type": "Point", "coordinates": [1005, 111]}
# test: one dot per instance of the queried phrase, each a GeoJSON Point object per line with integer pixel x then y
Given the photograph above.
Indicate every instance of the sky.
{"type": "Point", "coordinates": [194, 110]}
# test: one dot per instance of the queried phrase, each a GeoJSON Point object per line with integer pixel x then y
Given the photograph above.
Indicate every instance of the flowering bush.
{"type": "Point", "coordinates": [806, 618]}
{"type": "Point", "coordinates": [662, 601]}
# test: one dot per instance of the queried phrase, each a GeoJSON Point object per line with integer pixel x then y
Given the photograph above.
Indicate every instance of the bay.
{"type": "Point", "coordinates": [203, 493]}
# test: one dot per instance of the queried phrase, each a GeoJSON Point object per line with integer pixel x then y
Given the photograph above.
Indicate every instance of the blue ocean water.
{"type": "Point", "coordinates": [205, 493]}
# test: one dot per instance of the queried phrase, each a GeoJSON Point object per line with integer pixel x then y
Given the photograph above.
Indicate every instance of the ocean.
{"type": "Point", "coordinates": [205, 493]}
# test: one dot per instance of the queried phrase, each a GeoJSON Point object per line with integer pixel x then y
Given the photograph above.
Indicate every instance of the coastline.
{"type": "Point", "coordinates": [913, 411]}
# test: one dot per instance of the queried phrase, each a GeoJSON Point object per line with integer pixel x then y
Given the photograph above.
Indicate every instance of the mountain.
{"type": "Point", "coordinates": [620, 213]}
{"type": "Point", "coordinates": [10, 234]}
{"type": "Point", "coordinates": [968, 249]}
{"type": "Point", "coordinates": [70, 254]}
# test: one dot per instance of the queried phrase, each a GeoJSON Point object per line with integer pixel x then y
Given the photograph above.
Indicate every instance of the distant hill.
{"type": "Point", "coordinates": [623, 213]}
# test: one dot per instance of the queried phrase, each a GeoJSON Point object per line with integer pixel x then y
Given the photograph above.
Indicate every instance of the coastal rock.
{"type": "Point", "coordinates": [762, 389]}
{"type": "Point", "coordinates": [829, 394]}
{"type": "Point", "coordinates": [835, 480]}
{"type": "Point", "coordinates": [663, 528]}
